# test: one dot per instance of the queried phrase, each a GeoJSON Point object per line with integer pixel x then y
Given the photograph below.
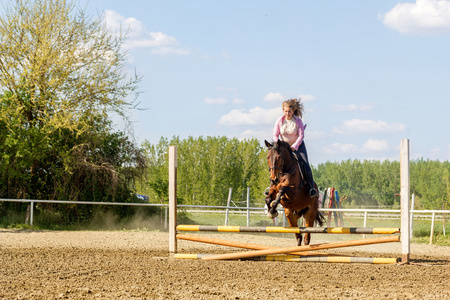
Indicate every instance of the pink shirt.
{"type": "Point", "coordinates": [294, 138]}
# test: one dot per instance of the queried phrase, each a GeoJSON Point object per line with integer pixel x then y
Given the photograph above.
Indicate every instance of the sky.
{"type": "Point", "coordinates": [369, 73]}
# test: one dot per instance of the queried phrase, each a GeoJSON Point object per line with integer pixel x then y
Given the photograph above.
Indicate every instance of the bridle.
{"type": "Point", "coordinates": [281, 173]}
{"type": "Point", "coordinates": [273, 157]}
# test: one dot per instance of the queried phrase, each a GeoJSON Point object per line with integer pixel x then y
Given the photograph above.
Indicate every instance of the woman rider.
{"type": "Point", "coordinates": [289, 128]}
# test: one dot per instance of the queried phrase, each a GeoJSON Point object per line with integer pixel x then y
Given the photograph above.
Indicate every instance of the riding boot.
{"type": "Point", "coordinates": [309, 178]}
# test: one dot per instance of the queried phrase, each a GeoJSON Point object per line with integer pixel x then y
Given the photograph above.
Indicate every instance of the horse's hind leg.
{"type": "Point", "coordinates": [292, 218]}
{"type": "Point", "coordinates": [309, 218]}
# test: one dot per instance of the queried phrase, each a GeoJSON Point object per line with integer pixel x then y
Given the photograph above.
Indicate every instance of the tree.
{"type": "Point", "coordinates": [207, 168]}
{"type": "Point", "coordinates": [61, 80]}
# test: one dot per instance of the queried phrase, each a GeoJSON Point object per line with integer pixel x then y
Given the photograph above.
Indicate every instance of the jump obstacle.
{"type": "Point", "coordinates": [297, 253]}
{"type": "Point", "coordinates": [294, 258]}
{"type": "Point", "coordinates": [275, 229]}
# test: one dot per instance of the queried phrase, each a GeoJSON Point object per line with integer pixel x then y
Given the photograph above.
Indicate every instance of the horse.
{"type": "Point", "coordinates": [289, 188]}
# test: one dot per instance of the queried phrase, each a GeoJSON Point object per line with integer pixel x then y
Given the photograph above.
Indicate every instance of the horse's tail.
{"type": "Point", "coordinates": [320, 218]}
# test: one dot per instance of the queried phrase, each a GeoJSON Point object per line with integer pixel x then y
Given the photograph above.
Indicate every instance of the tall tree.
{"type": "Point", "coordinates": [61, 79]}
{"type": "Point", "coordinates": [207, 168]}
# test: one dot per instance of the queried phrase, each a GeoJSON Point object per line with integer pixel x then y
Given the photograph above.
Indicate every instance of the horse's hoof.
{"type": "Point", "coordinates": [272, 216]}
{"type": "Point", "coordinates": [273, 203]}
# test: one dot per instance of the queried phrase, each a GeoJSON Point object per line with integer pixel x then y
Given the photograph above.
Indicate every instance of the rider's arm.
{"type": "Point", "coordinates": [276, 129]}
{"type": "Point", "coordinates": [301, 131]}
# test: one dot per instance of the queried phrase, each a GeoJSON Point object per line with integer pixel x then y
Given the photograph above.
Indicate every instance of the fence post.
{"type": "Point", "coordinates": [228, 206]}
{"type": "Point", "coordinates": [248, 205]}
{"type": "Point", "coordinates": [172, 199]}
{"type": "Point", "coordinates": [165, 217]}
{"type": "Point", "coordinates": [365, 222]}
{"type": "Point", "coordinates": [411, 216]}
{"type": "Point", "coordinates": [31, 213]}
{"type": "Point", "coordinates": [404, 199]}
{"type": "Point", "coordinates": [432, 229]}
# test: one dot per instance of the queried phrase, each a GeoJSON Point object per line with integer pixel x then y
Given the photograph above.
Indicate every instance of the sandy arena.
{"type": "Point", "coordinates": [136, 265]}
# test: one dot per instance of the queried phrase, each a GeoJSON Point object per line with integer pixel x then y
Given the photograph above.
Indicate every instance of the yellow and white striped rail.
{"type": "Point", "coordinates": [275, 229]}
{"type": "Point", "coordinates": [295, 258]}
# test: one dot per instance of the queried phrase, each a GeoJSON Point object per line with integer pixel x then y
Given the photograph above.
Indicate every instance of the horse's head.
{"type": "Point", "coordinates": [276, 157]}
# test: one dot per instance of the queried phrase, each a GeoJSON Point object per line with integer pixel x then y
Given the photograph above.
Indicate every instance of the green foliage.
{"type": "Point", "coordinates": [206, 169]}
{"type": "Point", "coordinates": [375, 183]}
{"type": "Point", "coordinates": [61, 81]}
{"type": "Point", "coordinates": [430, 181]}
{"type": "Point", "coordinates": [368, 183]}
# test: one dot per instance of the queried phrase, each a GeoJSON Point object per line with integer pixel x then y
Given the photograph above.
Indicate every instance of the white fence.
{"type": "Point", "coordinates": [361, 212]}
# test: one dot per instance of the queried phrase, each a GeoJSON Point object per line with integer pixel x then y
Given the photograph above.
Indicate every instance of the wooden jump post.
{"type": "Point", "coordinates": [404, 199]}
{"type": "Point", "coordinates": [172, 199]}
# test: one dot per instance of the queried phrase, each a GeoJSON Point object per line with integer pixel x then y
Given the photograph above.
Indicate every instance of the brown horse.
{"type": "Point", "coordinates": [289, 188]}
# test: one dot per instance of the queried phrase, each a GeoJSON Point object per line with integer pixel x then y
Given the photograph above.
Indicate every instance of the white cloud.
{"type": "Point", "coordinates": [338, 148]}
{"type": "Point", "coordinates": [375, 146]}
{"type": "Point", "coordinates": [424, 17]}
{"type": "Point", "coordinates": [215, 100]}
{"type": "Point", "coordinates": [315, 135]}
{"type": "Point", "coordinates": [273, 97]}
{"type": "Point", "coordinates": [371, 146]}
{"type": "Point", "coordinates": [221, 101]}
{"type": "Point", "coordinates": [306, 98]}
{"type": "Point", "coordinates": [357, 126]}
{"type": "Point", "coordinates": [440, 154]}
{"type": "Point", "coordinates": [238, 101]}
{"type": "Point", "coordinates": [435, 152]}
{"type": "Point", "coordinates": [253, 116]}
{"type": "Point", "coordinates": [278, 97]}
{"type": "Point", "coordinates": [140, 37]}
{"type": "Point", "coordinates": [259, 135]}
{"type": "Point", "coordinates": [351, 107]}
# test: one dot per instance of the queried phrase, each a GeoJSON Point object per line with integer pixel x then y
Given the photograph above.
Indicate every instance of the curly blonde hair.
{"type": "Point", "coordinates": [295, 105]}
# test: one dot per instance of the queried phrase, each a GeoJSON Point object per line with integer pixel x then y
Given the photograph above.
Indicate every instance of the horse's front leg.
{"type": "Point", "coordinates": [271, 195]}
{"type": "Point", "coordinates": [272, 213]}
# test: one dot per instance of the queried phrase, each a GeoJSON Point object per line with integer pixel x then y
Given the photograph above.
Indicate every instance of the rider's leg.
{"type": "Point", "coordinates": [302, 153]}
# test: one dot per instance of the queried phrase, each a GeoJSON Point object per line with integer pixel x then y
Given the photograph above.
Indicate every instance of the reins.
{"type": "Point", "coordinates": [281, 173]}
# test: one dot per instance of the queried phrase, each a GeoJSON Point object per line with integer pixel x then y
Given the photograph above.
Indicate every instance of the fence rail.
{"type": "Point", "coordinates": [393, 213]}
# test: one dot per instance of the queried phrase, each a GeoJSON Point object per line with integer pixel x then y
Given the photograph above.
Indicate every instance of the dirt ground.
{"type": "Point", "coordinates": [137, 265]}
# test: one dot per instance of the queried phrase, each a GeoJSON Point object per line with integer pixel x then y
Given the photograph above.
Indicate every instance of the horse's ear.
{"type": "Point", "coordinates": [268, 145]}
{"type": "Point", "coordinates": [279, 143]}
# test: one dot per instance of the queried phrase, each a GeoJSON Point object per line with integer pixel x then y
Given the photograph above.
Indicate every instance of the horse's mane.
{"type": "Point", "coordinates": [283, 144]}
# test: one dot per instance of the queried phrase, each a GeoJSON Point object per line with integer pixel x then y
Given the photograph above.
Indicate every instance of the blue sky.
{"type": "Point", "coordinates": [370, 73]}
